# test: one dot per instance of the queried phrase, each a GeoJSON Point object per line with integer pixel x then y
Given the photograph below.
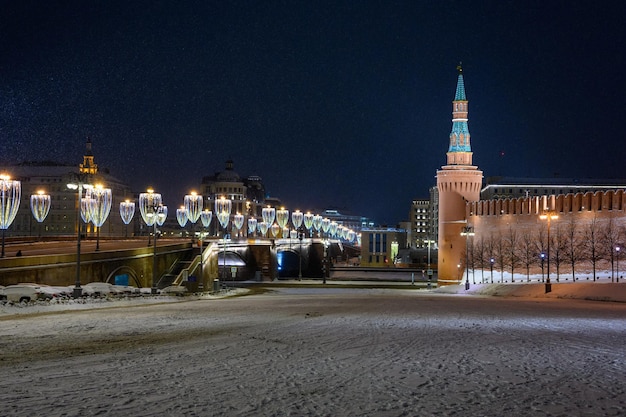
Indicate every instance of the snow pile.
{"type": "Point", "coordinates": [579, 290]}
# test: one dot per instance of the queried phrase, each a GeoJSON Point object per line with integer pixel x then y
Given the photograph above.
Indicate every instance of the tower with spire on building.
{"type": "Point", "coordinates": [457, 183]}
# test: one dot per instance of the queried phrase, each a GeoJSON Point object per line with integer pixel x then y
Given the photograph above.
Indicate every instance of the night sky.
{"type": "Point", "coordinates": [343, 104]}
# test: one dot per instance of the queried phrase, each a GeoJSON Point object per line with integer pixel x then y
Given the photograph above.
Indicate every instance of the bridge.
{"type": "Point", "coordinates": [177, 261]}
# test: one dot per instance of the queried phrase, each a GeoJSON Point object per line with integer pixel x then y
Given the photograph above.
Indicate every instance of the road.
{"type": "Point", "coordinates": [319, 351]}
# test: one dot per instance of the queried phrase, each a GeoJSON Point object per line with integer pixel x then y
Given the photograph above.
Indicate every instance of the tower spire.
{"type": "Point", "coordinates": [460, 150]}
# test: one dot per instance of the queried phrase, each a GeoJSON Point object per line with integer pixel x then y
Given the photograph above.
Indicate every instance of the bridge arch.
{"type": "Point", "coordinates": [127, 270]}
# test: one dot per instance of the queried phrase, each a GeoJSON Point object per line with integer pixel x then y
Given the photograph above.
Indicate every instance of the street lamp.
{"type": "Point", "coordinates": [308, 222]}
{"type": "Point", "coordinates": [151, 208]}
{"type": "Point", "coordinates": [127, 211]}
{"type": "Point", "coordinates": [100, 208]}
{"type": "Point", "coordinates": [238, 222]}
{"type": "Point", "coordinates": [78, 186]}
{"type": "Point", "coordinates": [617, 249]}
{"type": "Point", "coordinates": [181, 216]}
{"type": "Point", "coordinates": [193, 205]}
{"type": "Point", "coordinates": [223, 206]}
{"type": "Point", "coordinates": [549, 216]}
{"type": "Point", "coordinates": [10, 194]}
{"type": "Point", "coordinates": [205, 217]}
{"type": "Point", "coordinates": [252, 223]}
{"type": "Point", "coordinates": [40, 206]}
{"type": "Point", "coordinates": [543, 258]}
{"type": "Point", "coordinates": [467, 232]}
{"type": "Point", "coordinates": [491, 262]}
{"type": "Point", "coordinates": [282, 218]}
{"type": "Point", "coordinates": [296, 219]}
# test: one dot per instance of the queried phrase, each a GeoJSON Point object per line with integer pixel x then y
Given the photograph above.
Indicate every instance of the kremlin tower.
{"type": "Point", "coordinates": [458, 182]}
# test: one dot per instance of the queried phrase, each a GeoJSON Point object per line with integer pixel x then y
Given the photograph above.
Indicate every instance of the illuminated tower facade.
{"type": "Point", "coordinates": [457, 182]}
{"type": "Point", "coordinates": [88, 166]}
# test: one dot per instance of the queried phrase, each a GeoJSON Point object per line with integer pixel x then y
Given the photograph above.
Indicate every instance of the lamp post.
{"type": "Point", "coordinates": [617, 249]}
{"type": "Point", "coordinates": [296, 219]}
{"type": "Point", "coordinates": [543, 258]}
{"type": "Point", "coordinates": [238, 222]}
{"type": "Point", "coordinates": [205, 217]}
{"type": "Point", "coordinates": [10, 194]}
{"type": "Point", "coordinates": [78, 186]}
{"type": "Point", "coordinates": [549, 216]}
{"type": "Point", "coordinates": [100, 208]}
{"type": "Point", "coordinates": [223, 207]}
{"type": "Point", "coordinates": [467, 232]}
{"type": "Point", "coordinates": [40, 206]}
{"type": "Point", "coordinates": [252, 223]}
{"type": "Point", "coordinates": [193, 205]}
{"type": "Point", "coordinates": [491, 262]}
{"type": "Point", "coordinates": [150, 207]}
{"type": "Point", "coordinates": [308, 222]}
{"type": "Point", "coordinates": [127, 211]}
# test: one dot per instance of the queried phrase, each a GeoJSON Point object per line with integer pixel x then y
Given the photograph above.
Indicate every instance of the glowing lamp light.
{"type": "Point", "coordinates": [308, 221]}
{"type": "Point", "coordinates": [10, 194]}
{"type": "Point", "coordinates": [205, 217]}
{"type": "Point", "coordinates": [275, 229]}
{"type": "Point", "coordinates": [325, 225]}
{"type": "Point", "coordinates": [193, 205]}
{"type": "Point", "coordinates": [40, 205]}
{"type": "Point", "coordinates": [317, 222]}
{"type": "Point", "coordinates": [102, 199]}
{"type": "Point", "coordinates": [262, 228]}
{"type": "Point", "coordinates": [282, 217]}
{"type": "Point", "coordinates": [268, 214]}
{"type": "Point", "coordinates": [296, 218]}
{"type": "Point", "coordinates": [252, 223]}
{"type": "Point", "coordinates": [161, 215]}
{"type": "Point", "coordinates": [127, 211]}
{"type": "Point", "coordinates": [149, 202]}
{"type": "Point", "coordinates": [181, 216]}
{"type": "Point", "coordinates": [238, 221]}
{"type": "Point", "coordinates": [223, 206]}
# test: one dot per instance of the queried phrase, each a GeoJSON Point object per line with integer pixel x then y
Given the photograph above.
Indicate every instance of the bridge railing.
{"type": "Point", "coordinates": [195, 264]}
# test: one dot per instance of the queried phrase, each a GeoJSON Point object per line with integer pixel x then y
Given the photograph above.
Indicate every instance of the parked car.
{"type": "Point", "coordinates": [19, 293]}
{"type": "Point", "coordinates": [99, 289]}
{"type": "Point", "coordinates": [51, 291]}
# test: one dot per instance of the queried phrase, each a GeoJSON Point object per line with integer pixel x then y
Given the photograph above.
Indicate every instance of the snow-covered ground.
{"type": "Point", "coordinates": [332, 351]}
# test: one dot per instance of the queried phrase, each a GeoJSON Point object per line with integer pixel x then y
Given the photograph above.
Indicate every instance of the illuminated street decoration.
{"type": "Point", "coordinates": [275, 228]}
{"type": "Point", "coordinates": [40, 205]}
{"type": "Point", "coordinates": [149, 202]}
{"type": "Point", "coordinates": [127, 211]}
{"type": "Point", "coordinates": [193, 205]}
{"type": "Point", "coordinates": [181, 216]}
{"type": "Point", "coordinates": [268, 214]}
{"type": "Point", "coordinates": [308, 222]}
{"type": "Point", "coordinates": [296, 219]}
{"type": "Point", "coordinates": [205, 217]}
{"type": "Point", "coordinates": [325, 225]}
{"type": "Point", "coordinates": [262, 228]}
{"type": "Point", "coordinates": [252, 223]}
{"type": "Point", "coordinates": [238, 221]}
{"type": "Point", "coordinates": [101, 200]}
{"type": "Point", "coordinates": [10, 194]}
{"type": "Point", "coordinates": [223, 206]}
{"type": "Point", "coordinates": [317, 223]}
{"type": "Point", "coordinates": [282, 218]}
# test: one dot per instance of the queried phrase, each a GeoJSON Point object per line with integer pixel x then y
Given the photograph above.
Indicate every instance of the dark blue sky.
{"type": "Point", "coordinates": [338, 103]}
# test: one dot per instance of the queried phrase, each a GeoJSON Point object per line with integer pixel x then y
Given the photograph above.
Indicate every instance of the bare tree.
{"type": "Point", "coordinates": [592, 243]}
{"type": "Point", "coordinates": [490, 252]}
{"type": "Point", "coordinates": [511, 243]}
{"type": "Point", "coordinates": [572, 253]}
{"type": "Point", "coordinates": [609, 240]}
{"type": "Point", "coordinates": [478, 258]}
{"type": "Point", "coordinates": [541, 245]}
{"type": "Point", "coordinates": [559, 248]}
{"type": "Point", "coordinates": [500, 254]}
{"type": "Point", "coordinates": [527, 254]}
